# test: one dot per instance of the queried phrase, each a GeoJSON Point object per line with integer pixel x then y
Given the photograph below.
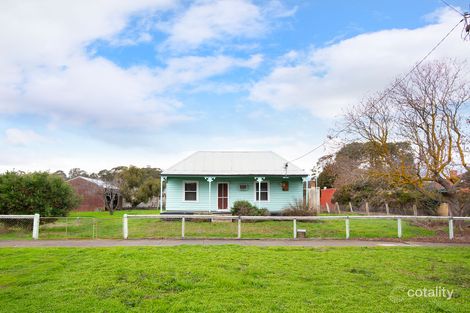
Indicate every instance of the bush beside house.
{"type": "Point", "coordinates": [39, 192]}
{"type": "Point", "coordinates": [297, 208]}
{"type": "Point", "coordinates": [245, 208]}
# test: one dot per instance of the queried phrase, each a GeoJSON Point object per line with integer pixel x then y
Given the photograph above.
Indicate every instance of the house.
{"type": "Point", "coordinates": [94, 192]}
{"type": "Point", "coordinates": [214, 180]}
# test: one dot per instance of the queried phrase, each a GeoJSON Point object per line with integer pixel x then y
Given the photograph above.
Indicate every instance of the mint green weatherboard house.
{"type": "Point", "coordinates": [214, 180]}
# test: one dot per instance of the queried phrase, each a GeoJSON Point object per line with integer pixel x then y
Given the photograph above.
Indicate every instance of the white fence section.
{"type": "Point", "coordinates": [34, 218]}
{"type": "Point", "coordinates": [294, 219]}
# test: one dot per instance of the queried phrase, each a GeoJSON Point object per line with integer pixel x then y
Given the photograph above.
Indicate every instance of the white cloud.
{"type": "Point", "coordinates": [97, 91]}
{"type": "Point", "coordinates": [276, 9]}
{"type": "Point", "coordinates": [213, 20]}
{"type": "Point", "coordinates": [37, 32]}
{"type": "Point", "coordinates": [45, 69]}
{"type": "Point", "coordinates": [220, 20]}
{"type": "Point", "coordinates": [190, 69]}
{"type": "Point", "coordinates": [331, 78]}
{"type": "Point", "coordinates": [15, 136]}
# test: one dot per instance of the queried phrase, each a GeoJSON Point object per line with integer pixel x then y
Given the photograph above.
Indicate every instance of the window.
{"type": "Point", "coordinates": [264, 191]}
{"type": "Point", "coordinates": [190, 191]}
{"type": "Point", "coordinates": [243, 187]}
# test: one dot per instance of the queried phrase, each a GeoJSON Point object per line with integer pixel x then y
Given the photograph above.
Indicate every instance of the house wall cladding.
{"type": "Point", "coordinates": [92, 194]}
{"type": "Point", "coordinates": [278, 199]}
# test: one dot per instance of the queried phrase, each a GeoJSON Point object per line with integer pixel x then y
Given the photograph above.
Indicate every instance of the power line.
{"type": "Point", "coordinates": [388, 90]}
{"type": "Point", "coordinates": [452, 7]}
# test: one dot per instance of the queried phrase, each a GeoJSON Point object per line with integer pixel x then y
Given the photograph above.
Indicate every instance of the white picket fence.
{"type": "Point", "coordinates": [35, 220]}
{"type": "Point", "coordinates": [125, 227]}
{"type": "Point", "coordinates": [294, 219]}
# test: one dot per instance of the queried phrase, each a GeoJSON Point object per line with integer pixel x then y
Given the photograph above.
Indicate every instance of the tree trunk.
{"type": "Point", "coordinates": [450, 196]}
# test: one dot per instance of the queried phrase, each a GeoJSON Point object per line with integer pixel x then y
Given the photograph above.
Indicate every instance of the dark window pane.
{"type": "Point", "coordinates": [190, 196]}
{"type": "Point", "coordinates": [264, 186]}
{"type": "Point", "coordinates": [264, 196]}
{"type": "Point", "coordinates": [190, 186]}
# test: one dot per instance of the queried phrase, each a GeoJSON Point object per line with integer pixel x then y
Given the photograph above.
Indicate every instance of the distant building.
{"type": "Point", "coordinates": [92, 192]}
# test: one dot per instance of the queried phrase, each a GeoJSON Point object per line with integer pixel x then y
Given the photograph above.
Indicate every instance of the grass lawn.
{"type": "Point", "coordinates": [87, 225]}
{"type": "Point", "coordinates": [116, 214]}
{"type": "Point", "coordinates": [232, 279]}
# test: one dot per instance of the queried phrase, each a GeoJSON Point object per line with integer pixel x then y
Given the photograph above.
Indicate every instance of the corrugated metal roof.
{"type": "Point", "coordinates": [98, 182]}
{"type": "Point", "coordinates": [234, 163]}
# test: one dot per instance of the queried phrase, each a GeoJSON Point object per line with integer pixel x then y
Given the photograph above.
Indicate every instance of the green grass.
{"type": "Point", "coordinates": [115, 214]}
{"type": "Point", "coordinates": [231, 279]}
{"type": "Point", "coordinates": [80, 226]}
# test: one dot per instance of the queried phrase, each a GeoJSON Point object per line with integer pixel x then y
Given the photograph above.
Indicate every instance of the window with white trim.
{"type": "Point", "coordinates": [190, 191]}
{"type": "Point", "coordinates": [264, 194]}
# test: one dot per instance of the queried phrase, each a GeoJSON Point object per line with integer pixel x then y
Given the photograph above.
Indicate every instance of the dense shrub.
{"type": "Point", "coordinates": [245, 208]}
{"type": "Point", "coordinates": [298, 208]}
{"type": "Point", "coordinates": [39, 192]}
{"type": "Point", "coordinates": [377, 192]}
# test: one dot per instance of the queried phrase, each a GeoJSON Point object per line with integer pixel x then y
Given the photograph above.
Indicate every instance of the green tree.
{"type": "Point", "coordinates": [39, 192]}
{"type": "Point", "coordinates": [139, 185]}
{"type": "Point", "coordinates": [75, 172]}
{"type": "Point", "coordinates": [61, 174]}
{"type": "Point", "coordinates": [327, 176]}
{"type": "Point", "coordinates": [356, 160]}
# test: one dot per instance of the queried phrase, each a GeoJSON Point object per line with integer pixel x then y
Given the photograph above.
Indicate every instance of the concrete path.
{"type": "Point", "coordinates": [215, 242]}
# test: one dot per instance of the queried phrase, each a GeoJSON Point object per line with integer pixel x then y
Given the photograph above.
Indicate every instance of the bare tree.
{"type": "Point", "coordinates": [112, 197]}
{"type": "Point", "coordinates": [425, 109]}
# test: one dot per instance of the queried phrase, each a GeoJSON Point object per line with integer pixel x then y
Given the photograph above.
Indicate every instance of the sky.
{"type": "Point", "coordinates": [96, 84]}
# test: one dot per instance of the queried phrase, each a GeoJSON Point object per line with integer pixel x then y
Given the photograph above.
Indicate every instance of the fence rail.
{"type": "Point", "coordinates": [294, 220]}
{"type": "Point", "coordinates": [34, 217]}
{"type": "Point", "coordinates": [299, 218]}
{"type": "Point", "coordinates": [196, 226]}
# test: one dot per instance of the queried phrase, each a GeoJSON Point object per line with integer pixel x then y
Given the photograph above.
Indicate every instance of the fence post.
{"type": "Point", "coordinates": [347, 227]}
{"type": "Point", "coordinates": [183, 219]}
{"type": "Point", "coordinates": [399, 227]}
{"type": "Point", "coordinates": [239, 226]}
{"type": "Point", "coordinates": [367, 208]}
{"type": "Point", "coordinates": [387, 209]}
{"type": "Point", "coordinates": [36, 226]}
{"type": "Point", "coordinates": [125, 229]}
{"type": "Point", "coordinates": [337, 207]}
{"type": "Point", "coordinates": [94, 229]}
{"type": "Point", "coordinates": [295, 228]}
{"type": "Point", "coordinates": [451, 228]}
{"type": "Point", "coordinates": [350, 207]}
{"type": "Point", "coordinates": [415, 210]}
{"type": "Point", "coordinates": [327, 207]}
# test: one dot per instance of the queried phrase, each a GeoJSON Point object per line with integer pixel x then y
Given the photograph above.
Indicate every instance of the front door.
{"type": "Point", "coordinates": [222, 196]}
